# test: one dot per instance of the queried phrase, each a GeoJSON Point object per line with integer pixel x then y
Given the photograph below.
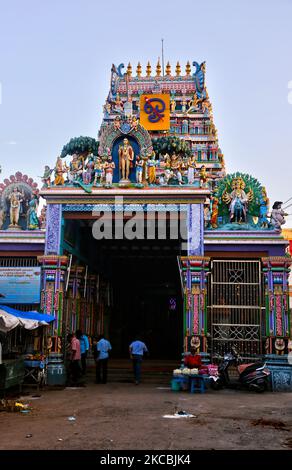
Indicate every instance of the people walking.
{"type": "Point", "coordinates": [75, 357]}
{"type": "Point", "coordinates": [84, 348]}
{"type": "Point", "coordinates": [103, 347]}
{"type": "Point", "coordinates": [137, 349]}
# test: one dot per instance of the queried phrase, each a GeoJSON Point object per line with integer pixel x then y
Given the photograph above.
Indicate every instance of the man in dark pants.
{"type": "Point", "coordinates": [84, 347]}
{"type": "Point", "coordinates": [137, 348]}
{"type": "Point", "coordinates": [103, 347]}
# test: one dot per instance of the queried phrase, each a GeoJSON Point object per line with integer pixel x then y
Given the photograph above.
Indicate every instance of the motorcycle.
{"type": "Point", "coordinates": [253, 376]}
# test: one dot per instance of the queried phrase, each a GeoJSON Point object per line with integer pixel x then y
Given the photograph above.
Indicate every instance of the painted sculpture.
{"type": "Point", "coordinates": [278, 215]}
{"type": "Point", "coordinates": [126, 157]}
{"type": "Point", "coordinates": [15, 199]}
{"type": "Point", "coordinates": [238, 200]}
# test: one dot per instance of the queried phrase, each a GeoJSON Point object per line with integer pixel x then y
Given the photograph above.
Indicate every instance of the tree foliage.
{"type": "Point", "coordinates": [170, 145]}
{"type": "Point", "coordinates": [80, 145]}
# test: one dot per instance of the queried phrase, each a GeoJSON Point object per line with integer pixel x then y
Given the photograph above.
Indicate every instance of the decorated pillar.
{"type": "Point", "coordinates": [194, 268]}
{"type": "Point", "coordinates": [194, 271]}
{"type": "Point", "coordinates": [52, 294]}
{"type": "Point", "coordinates": [54, 268]}
{"type": "Point", "coordinates": [278, 318]}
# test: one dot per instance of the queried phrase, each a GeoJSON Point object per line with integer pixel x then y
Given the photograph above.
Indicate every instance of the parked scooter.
{"type": "Point", "coordinates": [253, 376]}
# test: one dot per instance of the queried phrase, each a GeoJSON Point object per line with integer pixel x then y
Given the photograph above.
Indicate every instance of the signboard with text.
{"type": "Point", "coordinates": [20, 285]}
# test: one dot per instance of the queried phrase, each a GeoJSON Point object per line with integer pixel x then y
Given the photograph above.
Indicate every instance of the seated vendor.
{"type": "Point", "coordinates": [192, 360]}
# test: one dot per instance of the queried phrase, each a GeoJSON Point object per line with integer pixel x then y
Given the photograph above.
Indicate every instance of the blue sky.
{"type": "Point", "coordinates": [55, 60]}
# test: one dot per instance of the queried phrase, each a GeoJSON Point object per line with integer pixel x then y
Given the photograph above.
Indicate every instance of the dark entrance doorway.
{"type": "Point", "coordinates": [145, 289]}
{"type": "Point", "coordinates": [146, 300]}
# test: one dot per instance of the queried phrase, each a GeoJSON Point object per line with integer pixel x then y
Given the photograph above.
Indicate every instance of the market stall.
{"type": "Point", "coordinates": [22, 350]}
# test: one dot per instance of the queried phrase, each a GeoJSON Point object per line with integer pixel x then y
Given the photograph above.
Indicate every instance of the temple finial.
{"type": "Point", "coordinates": [148, 69]}
{"type": "Point", "coordinates": [129, 70]}
{"type": "Point", "coordinates": [188, 68]}
{"type": "Point", "coordinates": [168, 69]}
{"type": "Point", "coordinates": [158, 68]}
{"type": "Point", "coordinates": [139, 70]}
{"type": "Point", "coordinates": [177, 69]}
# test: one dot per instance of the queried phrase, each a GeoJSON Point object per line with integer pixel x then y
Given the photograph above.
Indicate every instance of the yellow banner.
{"type": "Point", "coordinates": [155, 111]}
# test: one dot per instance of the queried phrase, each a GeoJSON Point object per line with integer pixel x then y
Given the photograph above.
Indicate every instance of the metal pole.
{"type": "Point", "coordinates": [162, 56]}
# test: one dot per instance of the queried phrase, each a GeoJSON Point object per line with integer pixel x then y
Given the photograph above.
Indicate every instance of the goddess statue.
{"type": "Point", "coordinates": [237, 200]}
{"type": "Point", "coordinates": [151, 164]}
{"type": "Point", "coordinates": [203, 177]}
{"type": "Point", "coordinates": [32, 218]}
{"type": "Point", "coordinates": [59, 171]}
{"type": "Point", "coordinates": [126, 157]}
{"type": "Point", "coordinates": [214, 213]}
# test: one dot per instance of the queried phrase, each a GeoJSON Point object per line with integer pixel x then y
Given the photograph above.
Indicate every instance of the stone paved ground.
{"type": "Point", "coordinates": [124, 416]}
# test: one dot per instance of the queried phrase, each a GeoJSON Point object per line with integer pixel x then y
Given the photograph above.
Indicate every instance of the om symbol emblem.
{"type": "Point", "coordinates": [154, 107]}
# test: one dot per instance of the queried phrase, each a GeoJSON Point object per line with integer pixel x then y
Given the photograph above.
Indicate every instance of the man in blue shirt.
{"type": "Point", "coordinates": [103, 347]}
{"type": "Point", "coordinates": [137, 348]}
{"type": "Point", "coordinates": [84, 347]}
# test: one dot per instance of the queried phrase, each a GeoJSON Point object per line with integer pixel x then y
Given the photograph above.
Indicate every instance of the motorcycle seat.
{"type": "Point", "coordinates": [247, 368]}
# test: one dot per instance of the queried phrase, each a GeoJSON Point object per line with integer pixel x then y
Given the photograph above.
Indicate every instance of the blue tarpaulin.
{"type": "Point", "coordinates": [28, 315]}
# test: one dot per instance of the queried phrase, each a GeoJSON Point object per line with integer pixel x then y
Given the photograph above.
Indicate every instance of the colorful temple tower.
{"type": "Point", "coordinates": [220, 261]}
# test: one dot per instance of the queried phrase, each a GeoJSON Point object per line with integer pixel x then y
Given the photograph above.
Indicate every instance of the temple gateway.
{"type": "Point", "coordinates": [147, 233]}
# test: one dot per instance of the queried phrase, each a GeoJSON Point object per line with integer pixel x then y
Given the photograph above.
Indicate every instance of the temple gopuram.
{"type": "Point", "coordinates": [146, 232]}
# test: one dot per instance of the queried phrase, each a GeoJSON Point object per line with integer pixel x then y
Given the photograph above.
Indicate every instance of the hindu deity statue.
{"type": "Point", "coordinates": [191, 169]}
{"type": "Point", "coordinates": [98, 170]}
{"type": "Point", "coordinates": [126, 157]}
{"type": "Point", "coordinates": [139, 170]}
{"type": "Point", "coordinates": [237, 200]}
{"type": "Point", "coordinates": [214, 212]}
{"type": "Point", "coordinates": [32, 218]}
{"type": "Point", "coordinates": [278, 216]}
{"type": "Point", "coordinates": [46, 178]}
{"type": "Point", "coordinates": [75, 168]}
{"type": "Point", "coordinates": [15, 198]}
{"type": "Point", "coordinates": [193, 104]}
{"type": "Point", "coordinates": [151, 164]}
{"type": "Point", "coordinates": [207, 213]}
{"type": "Point", "coordinates": [203, 177]}
{"type": "Point", "coordinates": [172, 106]}
{"type": "Point", "coordinates": [109, 167]}
{"type": "Point", "coordinates": [118, 104]}
{"type": "Point", "coordinates": [59, 172]}
{"type": "Point", "coordinates": [88, 170]}
{"type": "Point", "coordinates": [264, 208]}
{"type": "Point", "coordinates": [175, 166]}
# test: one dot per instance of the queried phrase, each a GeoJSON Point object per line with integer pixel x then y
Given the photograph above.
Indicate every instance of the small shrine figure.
{"type": "Point", "coordinates": [42, 217]}
{"type": "Point", "coordinates": [46, 178]}
{"type": "Point", "coordinates": [98, 167]}
{"type": "Point", "coordinates": [135, 123]}
{"type": "Point", "coordinates": [280, 346]}
{"type": "Point", "coordinates": [172, 106]}
{"type": "Point", "coordinates": [75, 169]}
{"type": "Point", "coordinates": [109, 167]}
{"type": "Point", "coordinates": [118, 104]}
{"type": "Point", "coordinates": [32, 218]}
{"type": "Point", "coordinates": [195, 343]}
{"type": "Point", "coordinates": [203, 177]}
{"type": "Point", "coordinates": [238, 200]}
{"type": "Point", "coordinates": [193, 104]}
{"type": "Point", "coordinates": [277, 215]}
{"type": "Point", "coordinates": [126, 157]}
{"type": "Point", "coordinates": [117, 122]}
{"type": "Point", "coordinates": [88, 171]}
{"type": "Point", "coordinates": [191, 169]}
{"type": "Point", "coordinates": [151, 164]}
{"type": "Point", "coordinates": [207, 213]}
{"type": "Point", "coordinates": [214, 212]}
{"type": "Point", "coordinates": [175, 166]}
{"type": "Point", "coordinates": [139, 170]}
{"type": "Point", "coordinates": [264, 207]}
{"type": "Point", "coordinates": [15, 198]}
{"type": "Point", "coordinates": [184, 105]}
{"type": "Point", "coordinates": [59, 171]}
